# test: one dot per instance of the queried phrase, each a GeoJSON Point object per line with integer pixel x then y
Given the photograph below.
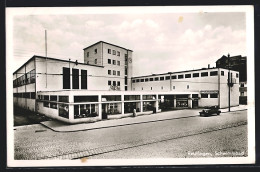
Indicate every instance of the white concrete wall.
{"type": "Point", "coordinates": [55, 78]}
{"type": "Point", "coordinates": [93, 55]}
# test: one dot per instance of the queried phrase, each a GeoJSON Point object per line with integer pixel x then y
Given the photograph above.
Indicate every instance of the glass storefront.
{"type": "Point", "coordinates": [148, 106]}
{"type": "Point", "coordinates": [130, 106]}
{"type": "Point", "coordinates": [112, 108]}
{"type": "Point", "coordinates": [181, 103]}
{"type": "Point", "coordinates": [85, 111]}
{"type": "Point", "coordinates": [64, 110]}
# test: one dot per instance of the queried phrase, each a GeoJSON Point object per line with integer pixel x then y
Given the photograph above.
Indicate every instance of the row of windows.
{"type": "Point", "coordinates": [114, 52]}
{"type": "Point", "coordinates": [114, 62]}
{"type": "Point", "coordinates": [213, 95]}
{"type": "Point", "coordinates": [114, 72]}
{"type": "Point", "coordinates": [95, 51]}
{"type": "Point", "coordinates": [28, 95]}
{"type": "Point", "coordinates": [113, 83]}
{"type": "Point", "coordinates": [25, 79]}
{"type": "Point", "coordinates": [181, 76]}
{"type": "Point", "coordinates": [173, 87]}
{"type": "Point", "coordinates": [54, 98]}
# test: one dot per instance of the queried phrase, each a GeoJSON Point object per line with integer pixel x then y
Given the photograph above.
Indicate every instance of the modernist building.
{"type": "Point", "coordinates": [103, 87]}
{"type": "Point", "coordinates": [236, 63]}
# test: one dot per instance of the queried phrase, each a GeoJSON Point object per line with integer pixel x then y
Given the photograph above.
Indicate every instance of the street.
{"type": "Point", "coordinates": [217, 136]}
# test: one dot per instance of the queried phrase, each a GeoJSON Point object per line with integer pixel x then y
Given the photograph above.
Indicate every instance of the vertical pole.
{"type": "Point", "coordinates": [46, 54]}
{"type": "Point", "coordinates": [170, 81]}
{"type": "Point", "coordinates": [228, 82]}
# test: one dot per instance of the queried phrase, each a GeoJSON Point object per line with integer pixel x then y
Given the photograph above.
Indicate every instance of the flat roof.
{"type": "Point", "coordinates": [168, 73]}
{"type": "Point", "coordinates": [108, 44]}
{"type": "Point", "coordinates": [50, 58]}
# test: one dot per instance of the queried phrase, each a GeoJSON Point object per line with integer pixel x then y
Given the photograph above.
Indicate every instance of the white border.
{"type": "Point", "coordinates": [11, 12]}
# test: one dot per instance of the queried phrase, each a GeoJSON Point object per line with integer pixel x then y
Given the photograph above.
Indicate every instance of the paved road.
{"type": "Point", "coordinates": [41, 143]}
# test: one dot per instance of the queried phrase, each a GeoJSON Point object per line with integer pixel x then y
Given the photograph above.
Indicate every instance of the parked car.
{"type": "Point", "coordinates": [207, 111]}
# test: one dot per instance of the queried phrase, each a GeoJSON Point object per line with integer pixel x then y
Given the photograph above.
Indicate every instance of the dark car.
{"type": "Point", "coordinates": [207, 111]}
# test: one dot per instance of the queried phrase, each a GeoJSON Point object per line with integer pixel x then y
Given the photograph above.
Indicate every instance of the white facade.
{"type": "Point", "coordinates": [205, 82]}
{"type": "Point", "coordinates": [82, 92]}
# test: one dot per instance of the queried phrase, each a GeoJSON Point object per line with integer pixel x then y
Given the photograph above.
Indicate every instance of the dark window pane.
{"type": "Point", "coordinates": [85, 98]}
{"type": "Point", "coordinates": [187, 75]}
{"type": "Point", "coordinates": [203, 74]}
{"type": "Point", "coordinates": [204, 95]}
{"type": "Point", "coordinates": [162, 78]}
{"type": "Point", "coordinates": [167, 77]}
{"type": "Point", "coordinates": [64, 99]}
{"type": "Point", "coordinates": [180, 76]}
{"type": "Point", "coordinates": [151, 79]}
{"type": "Point", "coordinates": [213, 95]}
{"type": "Point", "coordinates": [174, 77]}
{"type": "Point", "coordinates": [214, 73]}
{"type": "Point", "coordinates": [195, 75]}
{"type": "Point", "coordinates": [64, 110]}
{"type": "Point", "coordinates": [84, 79]}
{"type": "Point", "coordinates": [66, 78]}
{"type": "Point", "coordinates": [75, 78]}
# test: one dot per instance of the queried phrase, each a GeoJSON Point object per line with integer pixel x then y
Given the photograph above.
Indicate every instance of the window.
{"type": "Point", "coordinates": [188, 87]}
{"type": "Point", "coordinates": [162, 87]}
{"type": "Point", "coordinates": [204, 95]}
{"type": "Point", "coordinates": [133, 81]}
{"type": "Point", "coordinates": [151, 79]}
{"type": "Point", "coordinates": [26, 95]}
{"type": "Point", "coordinates": [109, 51]}
{"type": "Point", "coordinates": [66, 78]}
{"type": "Point", "coordinates": [180, 76]}
{"type": "Point", "coordinates": [187, 75]}
{"type": "Point", "coordinates": [146, 79]}
{"type": "Point", "coordinates": [64, 99]}
{"type": "Point", "coordinates": [126, 88]}
{"type": "Point", "coordinates": [109, 83]}
{"type": "Point", "coordinates": [95, 51]}
{"type": "Point", "coordinates": [118, 83]}
{"type": "Point", "coordinates": [195, 95]}
{"type": "Point", "coordinates": [118, 53]}
{"type": "Point", "coordinates": [151, 88]}
{"type": "Point", "coordinates": [32, 80]}
{"type": "Point", "coordinates": [84, 79]}
{"type": "Point", "coordinates": [125, 70]}
{"type": "Point", "coordinates": [118, 73]}
{"type": "Point", "coordinates": [111, 98]}
{"type": "Point", "coordinates": [213, 95]}
{"type": "Point", "coordinates": [114, 62]}
{"type": "Point", "coordinates": [75, 78]}
{"type": "Point", "coordinates": [114, 83]}
{"type": "Point", "coordinates": [242, 94]}
{"type": "Point", "coordinates": [109, 72]}
{"type": "Point", "coordinates": [174, 77]}
{"type": "Point", "coordinates": [114, 52]}
{"type": "Point", "coordinates": [213, 73]}
{"type": "Point", "coordinates": [149, 97]}
{"type": "Point", "coordinates": [118, 63]}
{"type": "Point", "coordinates": [142, 88]}
{"type": "Point", "coordinates": [87, 54]}
{"type": "Point", "coordinates": [195, 75]}
{"type": "Point", "coordinates": [46, 104]}
{"type": "Point", "coordinates": [203, 74]}
{"type": "Point", "coordinates": [162, 78]}
{"type": "Point", "coordinates": [125, 80]}
{"type": "Point", "coordinates": [85, 98]}
{"type": "Point", "coordinates": [109, 61]}
{"type": "Point", "coordinates": [138, 80]}
{"type": "Point", "coordinates": [33, 95]}
{"type": "Point", "coordinates": [95, 61]}
{"type": "Point", "coordinates": [173, 87]}
{"type": "Point", "coordinates": [114, 72]}
{"type": "Point", "coordinates": [132, 97]}
{"type": "Point", "coordinates": [167, 78]}
{"type": "Point", "coordinates": [156, 78]}
{"type": "Point", "coordinates": [236, 75]}
{"type": "Point", "coordinates": [142, 80]}
{"type": "Point", "coordinates": [53, 105]}
{"type": "Point", "coordinates": [222, 73]}
{"type": "Point", "coordinates": [64, 110]}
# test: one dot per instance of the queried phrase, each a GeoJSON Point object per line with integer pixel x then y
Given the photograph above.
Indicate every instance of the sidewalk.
{"type": "Point", "coordinates": [169, 115]}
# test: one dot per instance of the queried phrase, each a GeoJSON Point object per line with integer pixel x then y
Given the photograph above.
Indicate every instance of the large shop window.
{"type": "Point", "coordinates": [84, 79]}
{"type": "Point", "coordinates": [181, 103]}
{"type": "Point", "coordinates": [64, 110]}
{"type": "Point", "coordinates": [130, 106]}
{"type": "Point", "coordinates": [66, 78]}
{"type": "Point", "coordinates": [148, 106]}
{"type": "Point", "coordinates": [75, 78]}
{"type": "Point", "coordinates": [85, 111]}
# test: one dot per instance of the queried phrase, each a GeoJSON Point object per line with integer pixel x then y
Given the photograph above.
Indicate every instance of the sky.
{"type": "Point", "coordinates": [161, 42]}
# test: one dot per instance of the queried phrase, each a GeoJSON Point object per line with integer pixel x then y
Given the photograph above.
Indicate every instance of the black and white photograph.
{"type": "Point", "coordinates": [110, 86]}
